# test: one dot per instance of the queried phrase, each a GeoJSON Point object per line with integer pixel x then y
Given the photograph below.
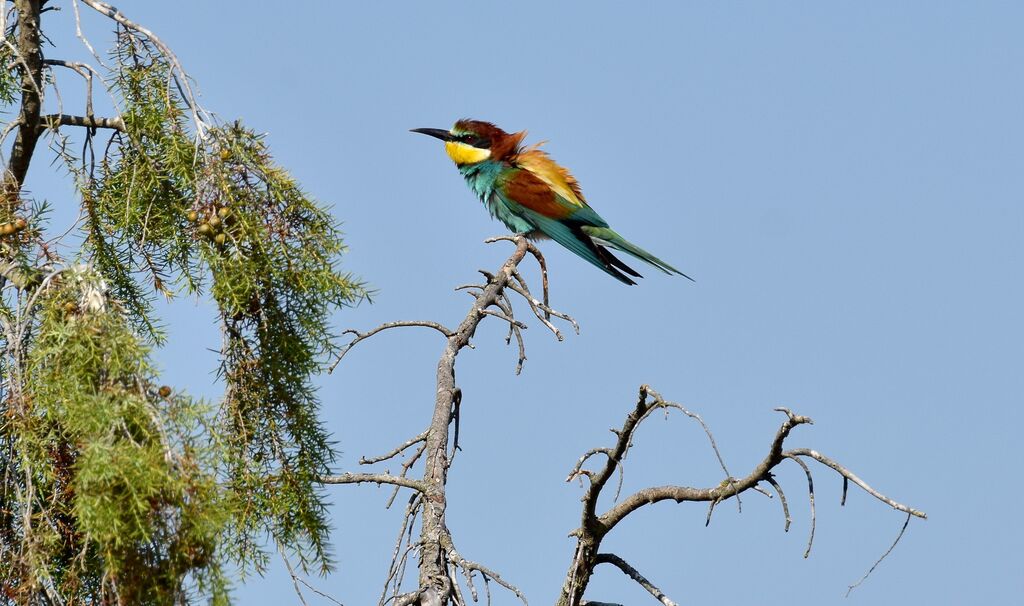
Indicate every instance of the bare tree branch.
{"type": "Point", "coordinates": [782, 497]}
{"type": "Point", "coordinates": [53, 121]}
{"type": "Point", "coordinates": [437, 554]}
{"type": "Point", "coordinates": [633, 573]}
{"type": "Point", "coordinates": [721, 492]}
{"type": "Point", "coordinates": [470, 566]}
{"type": "Point", "coordinates": [849, 475]}
{"type": "Point", "coordinates": [396, 451]}
{"type": "Point", "coordinates": [360, 336]}
{"type": "Point", "coordinates": [899, 536]}
{"type": "Point", "coordinates": [594, 528]}
{"type": "Point", "coordinates": [373, 478]}
{"type": "Point", "coordinates": [810, 497]}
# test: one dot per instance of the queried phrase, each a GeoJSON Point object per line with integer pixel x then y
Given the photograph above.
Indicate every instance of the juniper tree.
{"type": "Point", "coordinates": [114, 487]}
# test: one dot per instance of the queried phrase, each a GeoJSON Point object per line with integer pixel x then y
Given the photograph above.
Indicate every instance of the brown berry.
{"type": "Point", "coordinates": [7, 229]}
{"type": "Point", "coordinates": [165, 391]}
{"type": "Point", "coordinates": [20, 224]}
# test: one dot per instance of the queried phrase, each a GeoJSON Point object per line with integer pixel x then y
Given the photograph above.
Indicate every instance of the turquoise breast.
{"type": "Point", "coordinates": [482, 178]}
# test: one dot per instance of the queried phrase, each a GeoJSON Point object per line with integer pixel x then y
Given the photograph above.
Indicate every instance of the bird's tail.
{"type": "Point", "coordinates": [608, 237]}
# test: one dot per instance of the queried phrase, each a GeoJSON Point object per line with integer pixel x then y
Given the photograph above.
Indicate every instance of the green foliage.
{"type": "Point", "coordinates": [137, 204]}
{"type": "Point", "coordinates": [121, 487]}
{"type": "Point", "coordinates": [114, 489]}
{"type": "Point", "coordinates": [271, 250]}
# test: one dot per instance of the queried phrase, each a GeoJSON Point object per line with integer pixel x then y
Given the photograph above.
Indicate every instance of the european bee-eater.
{"type": "Point", "coordinates": [527, 191]}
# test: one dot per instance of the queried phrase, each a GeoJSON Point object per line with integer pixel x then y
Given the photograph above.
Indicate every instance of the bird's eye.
{"type": "Point", "coordinates": [475, 141]}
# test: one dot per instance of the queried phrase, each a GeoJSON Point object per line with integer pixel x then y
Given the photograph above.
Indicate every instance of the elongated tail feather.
{"type": "Point", "coordinates": [571, 237]}
{"type": "Point", "coordinates": [608, 237]}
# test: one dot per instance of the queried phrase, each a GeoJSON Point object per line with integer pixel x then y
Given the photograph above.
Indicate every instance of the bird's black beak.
{"type": "Point", "coordinates": [437, 133]}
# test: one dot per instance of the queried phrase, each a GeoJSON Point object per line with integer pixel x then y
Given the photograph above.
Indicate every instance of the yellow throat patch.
{"type": "Point", "coordinates": [465, 154]}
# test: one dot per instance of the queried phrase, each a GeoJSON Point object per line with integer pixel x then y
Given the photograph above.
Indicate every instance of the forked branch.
{"type": "Point", "coordinates": [594, 527]}
{"type": "Point", "coordinates": [439, 562]}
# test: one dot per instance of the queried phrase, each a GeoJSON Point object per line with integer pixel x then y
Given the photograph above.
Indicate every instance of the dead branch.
{"type": "Point", "coordinates": [361, 336]}
{"type": "Point", "coordinates": [54, 121]}
{"type": "Point", "coordinates": [782, 497]}
{"type": "Point", "coordinates": [84, 70]}
{"type": "Point", "coordinates": [593, 528]}
{"type": "Point", "coordinates": [633, 573]}
{"type": "Point", "coordinates": [437, 554]}
{"type": "Point", "coordinates": [469, 567]}
{"type": "Point", "coordinates": [373, 478]}
{"type": "Point", "coordinates": [394, 452]}
{"type": "Point", "coordinates": [899, 536]}
{"type": "Point", "coordinates": [849, 475]}
{"type": "Point", "coordinates": [810, 498]}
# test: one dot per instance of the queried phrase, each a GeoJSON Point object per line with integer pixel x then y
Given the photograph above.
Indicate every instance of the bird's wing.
{"type": "Point", "coordinates": [558, 178]}
{"type": "Point", "coordinates": [528, 190]}
{"type": "Point", "coordinates": [552, 215]}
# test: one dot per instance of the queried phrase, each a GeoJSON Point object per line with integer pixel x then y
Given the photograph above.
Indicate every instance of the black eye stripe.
{"type": "Point", "coordinates": [475, 141]}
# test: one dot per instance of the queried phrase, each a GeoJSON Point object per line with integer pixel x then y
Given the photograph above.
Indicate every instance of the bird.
{"type": "Point", "coordinates": [532, 195]}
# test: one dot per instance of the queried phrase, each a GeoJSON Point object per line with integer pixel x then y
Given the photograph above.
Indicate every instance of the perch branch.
{"type": "Point", "coordinates": [437, 555]}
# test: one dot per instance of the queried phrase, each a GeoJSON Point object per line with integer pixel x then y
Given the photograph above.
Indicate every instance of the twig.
{"type": "Point", "coordinates": [407, 520]}
{"type": "Point", "coordinates": [782, 497]}
{"type": "Point", "coordinates": [406, 466]}
{"type": "Point", "coordinates": [84, 70]}
{"type": "Point", "coordinates": [318, 592]}
{"type": "Point", "coordinates": [633, 573]}
{"type": "Point", "coordinates": [810, 496]}
{"type": "Point", "coordinates": [360, 336]}
{"type": "Point", "coordinates": [501, 316]}
{"type": "Point", "coordinates": [291, 571]}
{"type": "Point", "coordinates": [538, 306]}
{"type": "Point", "coordinates": [487, 572]}
{"type": "Point", "coordinates": [847, 474]}
{"type": "Point", "coordinates": [884, 555]}
{"type": "Point", "coordinates": [395, 452]}
{"type": "Point", "coordinates": [182, 81]}
{"type": "Point", "coordinates": [711, 438]}
{"type": "Point", "coordinates": [505, 305]}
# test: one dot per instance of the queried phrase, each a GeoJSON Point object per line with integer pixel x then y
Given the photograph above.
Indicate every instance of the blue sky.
{"type": "Point", "coordinates": [843, 181]}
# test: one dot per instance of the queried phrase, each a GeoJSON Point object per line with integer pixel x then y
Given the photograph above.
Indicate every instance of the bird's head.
{"type": "Point", "coordinates": [474, 141]}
